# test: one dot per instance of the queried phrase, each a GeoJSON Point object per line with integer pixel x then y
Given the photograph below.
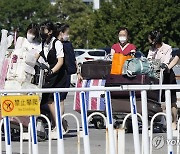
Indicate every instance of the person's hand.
{"type": "Point", "coordinates": [46, 68]}
{"type": "Point", "coordinates": [80, 78]}
{"type": "Point", "coordinates": [164, 67]}
{"type": "Point", "coordinates": [43, 66]}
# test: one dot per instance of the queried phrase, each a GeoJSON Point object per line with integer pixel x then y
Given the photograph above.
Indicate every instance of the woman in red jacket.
{"type": "Point", "coordinates": [123, 46]}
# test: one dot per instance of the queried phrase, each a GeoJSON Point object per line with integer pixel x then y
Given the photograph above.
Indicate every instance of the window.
{"type": "Point", "coordinates": [96, 53]}
{"type": "Point", "coordinates": [78, 53]}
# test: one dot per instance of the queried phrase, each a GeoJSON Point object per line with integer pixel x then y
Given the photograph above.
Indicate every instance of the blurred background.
{"type": "Point", "coordinates": [94, 23]}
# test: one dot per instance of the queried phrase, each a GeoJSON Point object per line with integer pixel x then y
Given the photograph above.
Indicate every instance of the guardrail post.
{"type": "Point", "coordinates": [178, 135]}
{"type": "Point", "coordinates": [7, 131]}
{"type": "Point", "coordinates": [123, 131]}
{"type": "Point", "coordinates": [49, 130]}
{"type": "Point", "coordinates": [169, 120]}
{"type": "Point", "coordinates": [60, 145]}
{"type": "Point", "coordinates": [105, 120]}
{"type": "Point", "coordinates": [78, 129]}
{"type": "Point", "coordinates": [145, 122]}
{"type": "Point", "coordinates": [134, 122]}
{"type": "Point", "coordinates": [1, 123]}
{"type": "Point", "coordinates": [34, 135]}
{"type": "Point", "coordinates": [84, 123]}
{"type": "Point", "coordinates": [151, 128]}
{"type": "Point", "coordinates": [21, 134]}
{"type": "Point", "coordinates": [110, 122]}
{"type": "Point", "coordinates": [121, 141]}
{"type": "Point", "coordinates": [29, 139]}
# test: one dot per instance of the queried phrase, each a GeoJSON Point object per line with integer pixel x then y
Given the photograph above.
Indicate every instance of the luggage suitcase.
{"type": "Point", "coordinates": [25, 120]}
{"type": "Point", "coordinates": [117, 80]}
{"type": "Point", "coordinates": [95, 99]}
{"type": "Point", "coordinates": [123, 106]}
{"type": "Point", "coordinates": [98, 69]}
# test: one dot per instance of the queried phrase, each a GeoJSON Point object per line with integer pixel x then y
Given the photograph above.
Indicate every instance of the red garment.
{"type": "Point", "coordinates": [124, 50]}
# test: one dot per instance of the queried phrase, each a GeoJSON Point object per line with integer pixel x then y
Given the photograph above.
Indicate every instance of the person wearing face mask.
{"type": "Point", "coordinates": [62, 33]}
{"type": "Point", "coordinates": [53, 55]}
{"type": "Point", "coordinates": [123, 46]}
{"type": "Point", "coordinates": [163, 52]}
{"type": "Point", "coordinates": [23, 57]}
{"type": "Point", "coordinates": [121, 51]}
{"type": "Point", "coordinates": [31, 40]}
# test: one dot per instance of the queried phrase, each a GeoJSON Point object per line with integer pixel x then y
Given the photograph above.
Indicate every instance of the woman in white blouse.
{"type": "Point", "coordinates": [53, 55]}
{"type": "Point", "coordinates": [162, 52]}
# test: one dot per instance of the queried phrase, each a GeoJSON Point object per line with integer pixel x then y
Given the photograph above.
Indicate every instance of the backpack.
{"type": "Point", "coordinates": [21, 65]}
{"type": "Point", "coordinates": [69, 57]}
{"type": "Point", "coordinates": [135, 66]}
{"type": "Point", "coordinates": [70, 60]}
{"type": "Point", "coordinates": [118, 62]}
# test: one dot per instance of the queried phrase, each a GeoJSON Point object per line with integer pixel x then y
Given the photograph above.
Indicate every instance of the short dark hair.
{"type": "Point", "coordinates": [34, 28]}
{"type": "Point", "coordinates": [48, 25]}
{"type": "Point", "coordinates": [123, 28]}
{"type": "Point", "coordinates": [156, 36]}
{"type": "Point", "coordinates": [61, 27]}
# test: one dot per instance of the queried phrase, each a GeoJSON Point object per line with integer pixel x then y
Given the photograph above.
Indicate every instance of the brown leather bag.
{"type": "Point", "coordinates": [98, 69]}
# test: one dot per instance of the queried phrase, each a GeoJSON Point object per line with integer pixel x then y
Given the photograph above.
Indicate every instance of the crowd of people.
{"type": "Point", "coordinates": [158, 50]}
{"type": "Point", "coordinates": [55, 51]}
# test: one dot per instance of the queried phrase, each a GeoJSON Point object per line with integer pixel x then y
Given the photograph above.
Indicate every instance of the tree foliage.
{"type": "Point", "coordinates": [140, 17]}
{"type": "Point", "coordinates": [78, 15]}
{"type": "Point", "coordinates": [18, 14]}
{"type": "Point", "coordinates": [97, 29]}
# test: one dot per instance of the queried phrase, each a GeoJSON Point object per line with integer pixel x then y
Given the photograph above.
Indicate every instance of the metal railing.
{"type": "Point", "coordinates": [131, 88]}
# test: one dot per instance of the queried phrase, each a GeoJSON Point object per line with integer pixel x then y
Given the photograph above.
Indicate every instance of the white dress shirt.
{"type": "Point", "coordinates": [163, 53]}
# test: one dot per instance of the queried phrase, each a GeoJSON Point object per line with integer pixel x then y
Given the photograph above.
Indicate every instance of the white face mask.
{"type": "Point", "coordinates": [30, 37]}
{"type": "Point", "coordinates": [122, 39]}
{"type": "Point", "coordinates": [65, 37]}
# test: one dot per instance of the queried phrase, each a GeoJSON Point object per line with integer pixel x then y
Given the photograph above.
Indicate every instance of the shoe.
{"type": "Point", "coordinates": [65, 126]}
{"type": "Point", "coordinates": [54, 129]}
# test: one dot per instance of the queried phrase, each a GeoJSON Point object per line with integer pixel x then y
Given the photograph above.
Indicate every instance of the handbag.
{"type": "Point", "coordinates": [135, 66]}
{"type": "Point", "coordinates": [118, 62]}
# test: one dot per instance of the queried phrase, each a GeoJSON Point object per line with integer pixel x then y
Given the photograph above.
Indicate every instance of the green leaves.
{"type": "Point", "coordinates": [18, 14]}
{"type": "Point", "coordinates": [98, 29]}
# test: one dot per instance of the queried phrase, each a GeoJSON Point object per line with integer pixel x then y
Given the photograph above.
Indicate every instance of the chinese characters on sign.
{"type": "Point", "coordinates": [23, 105]}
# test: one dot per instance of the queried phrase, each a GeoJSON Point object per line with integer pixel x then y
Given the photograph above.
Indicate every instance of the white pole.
{"type": "Point", "coordinates": [49, 130]}
{"type": "Point", "coordinates": [178, 135]}
{"type": "Point", "coordinates": [60, 141]}
{"type": "Point", "coordinates": [116, 140]}
{"type": "Point", "coordinates": [121, 141]}
{"type": "Point", "coordinates": [7, 131]}
{"type": "Point", "coordinates": [145, 133]}
{"type": "Point", "coordinates": [169, 120]}
{"type": "Point", "coordinates": [134, 122]}
{"type": "Point", "coordinates": [96, 4]}
{"type": "Point", "coordinates": [1, 123]}
{"type": "Point", "coordinates": [110, 122]}
{"type": "Point", "coordinates": [34, 135]}
{"type": "Point", "coordinates": [29, 139]}
{"type": "Point", "coordinates": [84, 123]}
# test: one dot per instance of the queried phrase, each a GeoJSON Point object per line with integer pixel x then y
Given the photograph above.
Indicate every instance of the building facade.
{"type": "Point", "coordinates": [96, 3]}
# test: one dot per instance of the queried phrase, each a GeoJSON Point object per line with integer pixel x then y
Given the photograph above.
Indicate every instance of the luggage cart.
{"type": "Point", "coordinates": [120, 100]}
{"type": "Point", "coordinates": [25, 120]}
{"type": "Point", "coordinates": [95, 100]}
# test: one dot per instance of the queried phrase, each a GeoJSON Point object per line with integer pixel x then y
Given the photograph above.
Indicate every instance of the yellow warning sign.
{"type": "Point", "coordinates": [21, 105]}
